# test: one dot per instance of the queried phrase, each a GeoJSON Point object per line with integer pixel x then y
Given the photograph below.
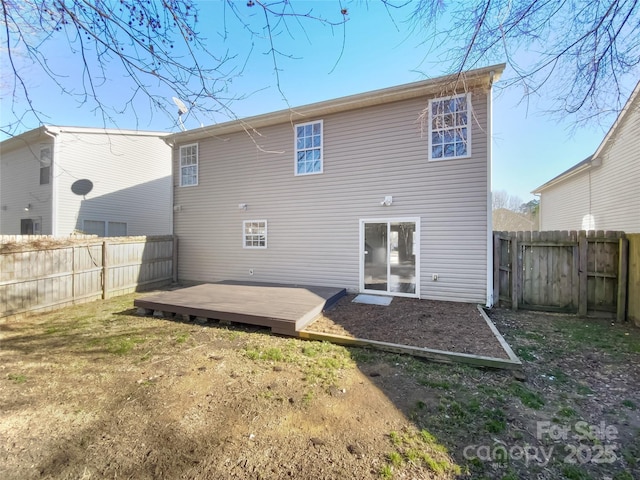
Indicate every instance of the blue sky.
{"type": "Point", "coordinates": [381, 49]}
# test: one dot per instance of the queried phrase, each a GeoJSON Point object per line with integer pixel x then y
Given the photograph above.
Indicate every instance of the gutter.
{"type": "Point", "coordinates": [562, 178]}
{"type": "Point", "coordinates": [489, 280]}
{"type": "Point", "coordinates": [376, 97]}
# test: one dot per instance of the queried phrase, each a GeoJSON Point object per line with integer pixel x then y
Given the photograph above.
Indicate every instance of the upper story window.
{"type": "Point", "coordinates": [189, 165]}
{"type": "Point", "coordinates": [449, 127]}
{"type": "Point", "coordinates": [45, 165]}
{"type": "Point", "coordinates": [309, 148]}
{"type": "Point", "coordinates": [254, 233]}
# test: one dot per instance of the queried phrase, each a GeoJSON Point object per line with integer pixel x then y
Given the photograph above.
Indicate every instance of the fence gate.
{"type": "Point", "coordinates": [575, 272]}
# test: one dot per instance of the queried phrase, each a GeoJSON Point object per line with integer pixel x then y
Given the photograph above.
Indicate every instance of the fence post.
{"type": "Point", "coordinates": [623, 267]}
{"type": "Point", "coordinates": [174, 261]}
{"type": "Point", "coordinates": [105, 271]}
{"type": "Point", "coordinates": [514, 270]}
{"type": "Point", "coordinates": [496, 268]}
{"type": "Point", "coordinates": [73, 272]}
{"type": "Point", "coordinates": [583, 248]}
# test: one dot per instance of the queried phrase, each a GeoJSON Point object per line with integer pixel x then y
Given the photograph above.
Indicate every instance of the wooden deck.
{"type": "Point", "coordinates": [286, 309]}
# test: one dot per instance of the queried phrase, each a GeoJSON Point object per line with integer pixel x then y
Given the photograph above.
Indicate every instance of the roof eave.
{"type": "Point", "coordinates": [446, 84]}
{"type": "Point", "coordinates": [35, 134]}
{"type": "Point", "coordinates": [633, 99]}
{"type": "Point", "coordinates": [595, 160]}
{"type": "Point", "coordinates": [25, 138]}
{"type": "Point", "coordinates": [564, 176]}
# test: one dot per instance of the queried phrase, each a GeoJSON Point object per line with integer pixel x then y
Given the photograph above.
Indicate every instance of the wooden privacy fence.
{"type": "Point", "coordinates": [582, 272]}
{"type": "Point", "coordinates": [43, 273]}
{"type": "Point", "coordinates": [633, 285]}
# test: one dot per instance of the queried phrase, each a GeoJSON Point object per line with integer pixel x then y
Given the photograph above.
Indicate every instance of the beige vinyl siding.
{"type": "Point", "coordinates": [564, 207]}
{"type": "Point", "coordinates": [313, 220]}
{"type": "Point", "coordinates": [609, 192]}
{"type": "Point", "coordinates": [20, 186]}
{"type": "Point", "coordinates": [616, 183]}
{"type": "Point", "coordinates": [131, 177]}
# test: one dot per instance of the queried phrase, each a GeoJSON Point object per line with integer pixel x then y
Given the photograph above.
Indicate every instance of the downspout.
{"type": "Point", "coordinates": [171, 144]}
{"type": "Point", "coordinates": [54, 181]}
{"type": "Point", "coordinates": [489, 299]}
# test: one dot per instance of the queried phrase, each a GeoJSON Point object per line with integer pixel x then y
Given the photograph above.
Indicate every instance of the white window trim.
{"type": "Point", "coordinates": [244, 238]}
{"type": "Point", "coordinates": [469, 127]}
{"type": "Point", "coordinates": [44, 164]}
{"type": "Point", "coordinates": [416, 252]}
{"type": "Point", "coordinates": [295, 148]}
{"type": "Point", "coordinates": [180, 166]}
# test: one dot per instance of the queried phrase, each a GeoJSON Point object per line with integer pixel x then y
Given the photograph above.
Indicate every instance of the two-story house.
{"type": "Point", "coordinates": [60, 180]}
{"type": "Point", "coordinates": [384, 192]}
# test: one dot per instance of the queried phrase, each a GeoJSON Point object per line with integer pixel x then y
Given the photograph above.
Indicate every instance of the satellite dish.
{"type": "Point", "coordinates": [182, 109]}
{"type": "Point", "coordinates": [82, 187]}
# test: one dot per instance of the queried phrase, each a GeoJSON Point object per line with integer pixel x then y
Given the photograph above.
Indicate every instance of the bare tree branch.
{"type": "Point", "coordinates": [577, 53]}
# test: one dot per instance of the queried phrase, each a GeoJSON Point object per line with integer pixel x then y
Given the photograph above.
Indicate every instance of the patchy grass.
{"type": "Point", "coordinates": [528, 397]}
{"type": "Point", "coordinates": [598, 334]}
{"type": "Point", "coordinates": [182, 337]}
{"type": "Point", "coordinates": [17, 378]}
{"type": "Point", "coordinates": [95, 373]}
{"type": "Point", "coordinates": [420, 449]}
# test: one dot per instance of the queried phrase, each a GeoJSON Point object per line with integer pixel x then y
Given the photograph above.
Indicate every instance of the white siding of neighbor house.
{"type": "Point", "coordinates": [20, 186]}
{"type": "Point", "coordinates": [313, 220]}
{"type": "Point", "coordinates": [609, 192]}
{"type": "Point", "coordinates": [131, 177]}
{"type": "Point", "coordinates": [563, 208]}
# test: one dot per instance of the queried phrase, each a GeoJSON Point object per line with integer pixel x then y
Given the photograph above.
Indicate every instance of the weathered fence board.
{"type": "Point", "coordinates": [40, 273]}
{"type": "Point", "coordinates": [579, 272]}
{"type": "Point", "coordinates": [633, 279]}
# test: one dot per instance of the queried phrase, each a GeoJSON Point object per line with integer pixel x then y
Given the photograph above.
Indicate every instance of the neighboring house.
{"type": "Point", "coordinates": [505, 220]}
{"type": "Point", "coordinates": [384, 192]}
{"type": "Point", "coordinates": [60, 180]}
{"type": "Point", "coordinates": [602, 192]}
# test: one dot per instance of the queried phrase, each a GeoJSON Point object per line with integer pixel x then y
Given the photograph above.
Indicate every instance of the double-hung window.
{"type": "Point", "coordinates": [254, 234]}
{"type": "Point", "coordinates": [308, 148]}
{"type": "Point", "coordinates": [189, 165]}
{"type": "Point", "coordinates": [45, 165]}
{"type": "Point", "coordinates": [449, 127]}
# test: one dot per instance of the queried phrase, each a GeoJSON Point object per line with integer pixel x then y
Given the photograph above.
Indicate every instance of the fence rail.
{"type": "Point", "coordinates": [39, 273]}
{"type": "Point", "coordinates": [582, 272]}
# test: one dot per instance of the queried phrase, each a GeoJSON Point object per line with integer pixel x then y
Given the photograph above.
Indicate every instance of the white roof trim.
{"type": "Point", "coordinates": [633, 98]}
{"type": "Point", "coordinates": [595, 160]}
{"type": "Point", "coordinates": [33, 135]}
{"type": "Point", "coordinates": [440, 85]}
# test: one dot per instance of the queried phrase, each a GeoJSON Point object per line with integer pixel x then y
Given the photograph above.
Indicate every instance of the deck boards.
{"type": "Point", "coordinates": [286, 309]}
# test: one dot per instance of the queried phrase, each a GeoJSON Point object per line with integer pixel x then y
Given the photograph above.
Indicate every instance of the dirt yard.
{"type": "Point", "coordinates": [414, 322]}
{"type": "Point", "coordinates": [95, 391]}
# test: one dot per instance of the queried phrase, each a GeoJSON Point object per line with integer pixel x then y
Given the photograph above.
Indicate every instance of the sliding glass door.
{"type": "Point", "coordinates": [389, 257]}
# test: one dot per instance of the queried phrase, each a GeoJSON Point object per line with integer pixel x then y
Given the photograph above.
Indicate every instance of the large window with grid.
{"type": "Point", "coordinates": [254, 234]}
{"type": "Point", "coordinates": [189, 165]}
{"type": "Point", "coordinates": [449, 127]}
{"type": "Point", "coordinates": [308, 148]}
